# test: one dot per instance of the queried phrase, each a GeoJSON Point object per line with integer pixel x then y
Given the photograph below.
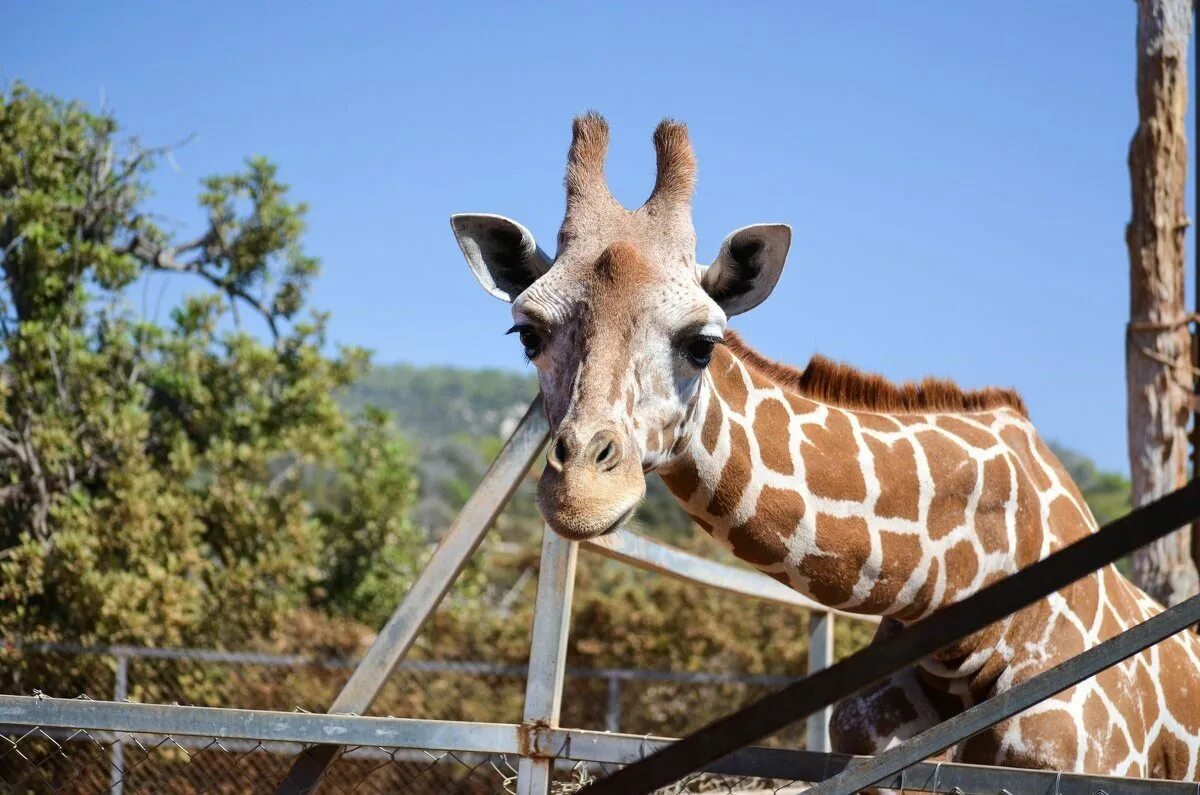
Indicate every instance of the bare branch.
{"type": "Point", "coordinates": [166, 259]}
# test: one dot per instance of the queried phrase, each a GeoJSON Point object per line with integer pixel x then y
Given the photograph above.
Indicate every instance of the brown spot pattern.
{"type": "Point", "coordinates": [1018, 442]}
{"type": "Point", "coordinates": [901, 556]}
{"type": "Point", "coordinates": [962, 564]}
{"type": "Point", "coordinates": [878, 422]}
{"type": "Point", "coordinates": [990, 521]}
{"type": "Point", "coordinates": [710, 432]}
{"type": "Point", "coordinates": [774, 440]}
{"type": "Point", "coordinates": [953, 473]}
{"type": "Point", "coordinates": [831, 465]}
{"type": "Point", "coordinates": [969, 433]}
{"type": "Point", "coordinates": [896, 471]}
{"type": "Point", "coordinates": [729, 381]}
{"type": "Point", "coordinates": [682, 479]}
{"type": "Point", "coordinates": [734, 477]}
{"type": "Point", "coordinates": [843, 545]}
{"type": "Point", "coordinates": [763, 541]}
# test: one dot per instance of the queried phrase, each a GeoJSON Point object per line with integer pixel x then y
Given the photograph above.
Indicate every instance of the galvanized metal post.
{"type": "Point", "coordinates": [547, 653]}
{"type": "Point", "coordinates": [820, 655]}
{"type": "Point", "coordinates": [463, 537]}
{"type": "Point", "coordinates": [612, 716]}
{"type": "Point", "coordinates": [116, 776]}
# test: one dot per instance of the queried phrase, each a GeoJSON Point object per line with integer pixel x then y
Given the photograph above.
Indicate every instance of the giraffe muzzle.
{"type": "Point", "coordinates": [589, 489]}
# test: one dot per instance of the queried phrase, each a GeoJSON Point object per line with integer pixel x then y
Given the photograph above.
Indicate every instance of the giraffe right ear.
{"type": "Point", "coordinates": [502, 254]}
{"type": "Point", "coordinates": [747, 267]}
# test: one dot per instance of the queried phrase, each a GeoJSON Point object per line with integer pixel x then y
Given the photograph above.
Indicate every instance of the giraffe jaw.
{"type": "Point", "coordinates": [579, 506]}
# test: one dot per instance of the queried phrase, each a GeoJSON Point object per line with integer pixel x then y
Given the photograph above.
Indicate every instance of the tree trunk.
{"type": "Point", "coordinates": [1158, 346]}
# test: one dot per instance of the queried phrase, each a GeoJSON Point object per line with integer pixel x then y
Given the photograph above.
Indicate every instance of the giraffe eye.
{"type": "Point", "coordinates": [531, 340]}
{"type": "Point", "coordinates": [699, 350]}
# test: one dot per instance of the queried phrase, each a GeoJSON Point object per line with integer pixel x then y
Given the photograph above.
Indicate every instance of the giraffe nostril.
{"type": "Point", "coordinates": [559, 453]}
{"type": "Point", "coordinates": [606, 453]}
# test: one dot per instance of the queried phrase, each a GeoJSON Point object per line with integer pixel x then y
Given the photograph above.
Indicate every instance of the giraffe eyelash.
{"type": "Point", "coordinates": [698, 349]}
{"type": "Point", "coordinates": [531, 339]}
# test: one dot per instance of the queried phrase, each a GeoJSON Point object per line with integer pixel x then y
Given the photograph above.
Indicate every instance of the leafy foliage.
{"type": "Point", "coordinates": [151, 475]}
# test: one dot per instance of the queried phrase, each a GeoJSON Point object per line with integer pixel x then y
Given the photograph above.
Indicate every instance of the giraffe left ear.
{"type": "Point", "coordinates": [747, 267]}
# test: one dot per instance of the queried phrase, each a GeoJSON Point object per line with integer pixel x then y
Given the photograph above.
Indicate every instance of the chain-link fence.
{"type": "Point", "coordinates": [115, 746]}
{"type": "Point", "coordinates": [50, 760]}
{"type": "Point", "coordinates": [78, 761]}
{"type": "Point", "coordinates": [614, 699]}
{"type": "Point", "coordinates": [45, 759]}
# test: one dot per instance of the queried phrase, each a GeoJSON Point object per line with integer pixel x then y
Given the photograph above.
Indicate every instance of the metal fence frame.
{"type": "Point", "coordinates": [538, 741]}
{"type": "Point", "coordinates": [613, 678]}
{"type": "Point", "coordinates": [547, 655]}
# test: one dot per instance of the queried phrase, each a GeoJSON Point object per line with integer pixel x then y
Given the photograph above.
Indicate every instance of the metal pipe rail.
{"type": "Point", "coordinates": [650, 555]}
{"type": "Point", "coordinates": [768, 715]}
{"type": "Point", "coordinates": [535, 742]}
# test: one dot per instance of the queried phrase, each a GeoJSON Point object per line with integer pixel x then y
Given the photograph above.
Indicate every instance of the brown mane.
{"type": "Point", "coordinates": [848, 387]}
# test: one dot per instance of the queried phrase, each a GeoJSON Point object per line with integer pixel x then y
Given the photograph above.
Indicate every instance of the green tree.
{"type": "Point", "coordinates": [154, 477]}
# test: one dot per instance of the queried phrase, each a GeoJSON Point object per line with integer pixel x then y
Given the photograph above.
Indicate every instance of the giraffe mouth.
{"type": "Point", "coordinates": [575, 533]}
{"type": "Point", "coordinates": [582, 505]}
{"type": "Point", "coordinates": [621, 520]}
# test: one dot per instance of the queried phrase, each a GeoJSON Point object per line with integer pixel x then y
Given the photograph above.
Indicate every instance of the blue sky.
{"type": "Point", "coordinates": [954, 172]}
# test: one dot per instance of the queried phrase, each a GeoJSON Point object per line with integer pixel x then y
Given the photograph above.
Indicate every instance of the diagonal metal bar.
{"type": "Point", "coordinates": [1005, 705]}
{"type": "Point", "coordinates": [794, 702]}
{"type": "Point", "coordinates": [786, 764]}
{"type": "Point", "coordinates": [460, 541]}
{"type": "Point", "coordinates": [661, 558]}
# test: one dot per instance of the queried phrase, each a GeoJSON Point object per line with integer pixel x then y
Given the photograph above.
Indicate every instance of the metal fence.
{"type": "Point", "coordinates": [612, 699]}
{"type": "Point", "coordinates": [220, 750]}
{"type": "Point", "coordinates": [80, 745]}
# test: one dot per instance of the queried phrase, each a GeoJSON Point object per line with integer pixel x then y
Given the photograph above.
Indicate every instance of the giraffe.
{"type": "Point", "coordinates": [865, 495]}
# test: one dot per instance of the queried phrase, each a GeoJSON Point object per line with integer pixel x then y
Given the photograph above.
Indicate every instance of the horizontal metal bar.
{"type": "Point", "coordinates": [791, 765]}
{"type": "Point", "coordinates": [246, 724]}
{"type": "Point", "coordinates": [233, 744]}
{"type": "Point", "coordinates": [797, 701]}
{"type": "Point", "coordinates": [289, 730]}
{"type": "Point", "coordinates": [1017, 699]}
{"type": "Point", "coordinates": [651, 555]}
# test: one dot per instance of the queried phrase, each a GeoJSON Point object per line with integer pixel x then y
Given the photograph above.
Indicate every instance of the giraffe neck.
{"type": "Point", "coordinates": [885, 514]}
{"type": "Point", "coordinates": [897, 514]}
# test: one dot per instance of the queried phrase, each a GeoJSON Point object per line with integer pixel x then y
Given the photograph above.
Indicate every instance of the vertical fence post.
{"type": "Point", "coordinates": [612, 716]}
{"type": "Point", "coordinates": [116, 776]}
{"type": "Point", "coordinates": [820, 655]}
{"type": "Point", "coordinates": [547, 653]}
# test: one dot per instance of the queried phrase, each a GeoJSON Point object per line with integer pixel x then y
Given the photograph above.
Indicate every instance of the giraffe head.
{"type": "Point", "coordinates": [620, 323]}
